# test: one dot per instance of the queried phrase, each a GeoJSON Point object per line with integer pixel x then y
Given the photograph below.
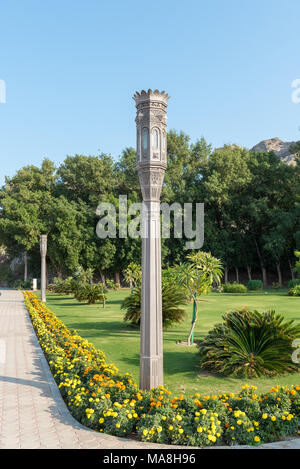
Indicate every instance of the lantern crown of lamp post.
{"type": "Point", "coordinates": [152, 95]}
{"type": "Point", "coordinates": [151, 122]}
{"type": "Point", "coordinates": [151, 163]}
{"type": "Point", "coordinates": [43, 245]}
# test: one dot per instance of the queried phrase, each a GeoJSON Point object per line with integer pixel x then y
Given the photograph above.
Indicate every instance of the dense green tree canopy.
{"type": "Point", "coordinates": [252, 209]}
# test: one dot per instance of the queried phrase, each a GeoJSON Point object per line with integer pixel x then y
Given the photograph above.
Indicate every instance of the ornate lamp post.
{"type": "Point", "coordinates": [151, 122]}
{"type": "Point", "coordinates": [43, 250]}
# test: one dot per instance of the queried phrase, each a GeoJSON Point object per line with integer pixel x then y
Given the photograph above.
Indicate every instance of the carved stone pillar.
{"type": "Point", "coordinates": [151, 122]}
{"type": "Point", "coordinates": [43, 250]}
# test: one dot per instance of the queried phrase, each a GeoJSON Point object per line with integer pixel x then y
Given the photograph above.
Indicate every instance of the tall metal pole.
{"type": "Point", "coordinates": [43, 250]}
{"type": "Point", "coordinates": [151, 122]}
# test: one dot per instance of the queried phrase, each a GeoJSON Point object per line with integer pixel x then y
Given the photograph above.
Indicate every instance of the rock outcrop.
{"type": "Point", "coordinates": [280, 148]}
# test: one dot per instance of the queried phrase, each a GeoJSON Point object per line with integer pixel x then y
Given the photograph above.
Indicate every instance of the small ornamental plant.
{"type": "Point", "coordinates": [234, 288]}
{"type": "Point", "coordinates": [255, 285]}
{"type": "Point", "coordinates": [295, 291]}
{"type": "Point", "coordinates": [107, 401]}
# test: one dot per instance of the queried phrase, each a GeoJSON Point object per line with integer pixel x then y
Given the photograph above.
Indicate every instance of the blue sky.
{"type": "Point", "coordinates": [72, 67]}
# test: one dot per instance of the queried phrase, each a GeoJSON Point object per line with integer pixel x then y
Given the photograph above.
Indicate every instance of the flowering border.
{"type": "Point", "coordinates": [101, 398]}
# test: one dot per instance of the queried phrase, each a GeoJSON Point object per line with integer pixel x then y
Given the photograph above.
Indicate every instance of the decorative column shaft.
{"type": "Point", "coordinates": [151, 122]}
{"type": "Point", "coordinates": [43, 250]}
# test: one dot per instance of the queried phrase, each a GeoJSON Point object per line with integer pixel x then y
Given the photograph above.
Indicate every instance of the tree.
{"type": "Point", "coordinates": [66, 222]}
{"type": "Point", "coordinates": [133, 274]}
{"type": "Point", "coordinates": [297, 266]}
{"type": "Point", "coordinates": [197, 277]}
{"type": "Point", "coordinates": [87, 178]}
{"type": "Point", "coordinates": [25, 199]}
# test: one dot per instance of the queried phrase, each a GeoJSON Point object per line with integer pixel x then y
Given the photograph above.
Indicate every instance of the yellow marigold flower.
{"type": "Point", "coordinates": [239, 422]}
{"type": "Point", "coordinates": [180, 431]}
{"type": "Point", "coordinates": [171, 427]}
{"type": "Point", "coordinates": [159, 429]}
{"type": "Point", "coordinates": [273, 418]}
{"type": "Point", "coordinates": [145, 432]}
{"type": "Point", "coordinates": [199, 429]}
{"type": "Point", "coordinates": [264, 416]}
{"type": "Point", "coordinates": [257, 439]}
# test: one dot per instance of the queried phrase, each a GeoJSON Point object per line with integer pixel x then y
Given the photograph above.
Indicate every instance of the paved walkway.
{"type": "Point", "coordinates": [32, 412]}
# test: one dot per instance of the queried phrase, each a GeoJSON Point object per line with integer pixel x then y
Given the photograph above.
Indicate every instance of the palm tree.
{"type": "Point", "coordinates": [197, 277]}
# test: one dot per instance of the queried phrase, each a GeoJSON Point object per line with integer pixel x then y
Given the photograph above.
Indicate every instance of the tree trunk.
{"type": "Point", "coordinates": [279, 273]}
{"type": "Point", "coordinates": [25, 266]}
{"type": "Point", "coordinates": [102, 276]}
{"type": "Point", "coordinates": [262, 266]}
{"type": "Point", "coordinates": [237, 275]}
{"type": "Point", "coordinates": [117, 277]}
{"type": "Point", "coordinates": [249, 273]}
{"type": "Point", "coordinates": [193, 325]}
{"type": "Point", "coordinates": [59, 274]}
{"type": "Point", "coordinates": [264, 275]}
{"type": "Point", "coordinates": [291, 268]}
{"type": "Point", "coordinates": [226, 275]}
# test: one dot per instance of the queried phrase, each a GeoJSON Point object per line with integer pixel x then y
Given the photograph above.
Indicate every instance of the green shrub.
{"type": "Point", "coordinates": [64, 286]}
{"type": "Point", "coordinates": [234, 288]}
{"type": "Point", "coordinates": [172, 298]}
{"type": "Point", "coordinates": [295, 291]}
{"type": "Point", "coordinates": [22, 285]}
{"type": "Point", "coordinates": [255, 285]}
{"type": "Point", "coordinates": [250, 344]}
{"type": "Point", "coordinates": [292, 283]}
{"type": "Point", "coordinates": [91, 293]}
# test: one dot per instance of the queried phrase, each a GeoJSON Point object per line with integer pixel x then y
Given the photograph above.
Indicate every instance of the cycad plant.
{"type": "Point", "coordinates": [173, 297]}
{"type": "Point", "coordinates": [91, 293]}
{"type": "Point", "coordinates": [250, 344]}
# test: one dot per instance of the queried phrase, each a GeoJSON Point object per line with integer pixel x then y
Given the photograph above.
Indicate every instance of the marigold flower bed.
{"type": "Point", "coordinates": [101, 398]}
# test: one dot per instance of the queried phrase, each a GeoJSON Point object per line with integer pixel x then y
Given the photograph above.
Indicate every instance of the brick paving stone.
{"type": "Point", "coordinates": [32, 411]}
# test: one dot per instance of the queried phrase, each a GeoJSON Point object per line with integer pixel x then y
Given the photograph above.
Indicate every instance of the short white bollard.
{"type": "Point", "coordinates": [34, 284]}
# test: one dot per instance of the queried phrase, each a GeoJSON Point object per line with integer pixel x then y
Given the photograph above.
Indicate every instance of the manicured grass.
{"type": "Point", "coordinates": [105, 328]}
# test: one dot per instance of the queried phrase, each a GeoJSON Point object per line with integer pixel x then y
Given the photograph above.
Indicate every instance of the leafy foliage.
{"type": "Point", "coordinates": [250, 344]}
{"type": "Point", "coordinates": [292, 283]}
{"type": "Point", "coordinates": [295, 291]}
{"type": "Point", "coordinates": [234, 288]}
{"type": "Point", "coordinates": [91, 293]}
{"type": "Point", "coordinates": [255, 285]}
{"type": "Point", "coordinates": [173, 297]}
{"type": "Point", "coordinates": [197, 277]}
{"type": "Point", "coordinates": [133, 274]}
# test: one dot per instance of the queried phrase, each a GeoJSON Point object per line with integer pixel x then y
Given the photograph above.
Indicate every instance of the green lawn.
{"type": "Point", "coordinates": [120, 342]}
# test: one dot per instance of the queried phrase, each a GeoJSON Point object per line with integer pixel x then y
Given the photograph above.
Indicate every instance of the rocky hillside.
{"type": "Point", "coordinates": [280, 148]}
